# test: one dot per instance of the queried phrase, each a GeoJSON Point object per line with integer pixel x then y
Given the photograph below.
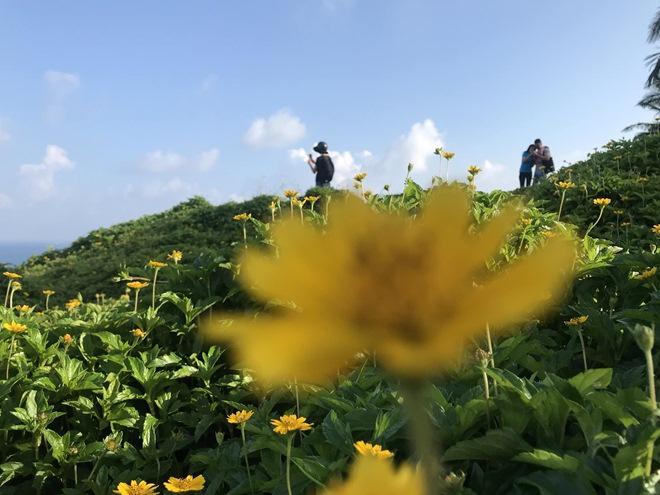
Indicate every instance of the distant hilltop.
{"type": "Point", "coordinates": [16, 252]}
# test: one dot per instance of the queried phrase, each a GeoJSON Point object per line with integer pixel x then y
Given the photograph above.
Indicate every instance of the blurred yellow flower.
{"type": "Point", "coordinates": [360, 177]}
{"type": "Point", "coordinates": [138, 333]}
{"type": "Point", "coordinates": [12, 275]}
{"type": "Point", "coordinates": [374, 450]}
{"type": "Point", "coordinates": [272, 206]}
{"type": "Point", "coordinates": [48, 292]}
{"type": "Point", "coordinates": [239, 417]}
{"type": "Point", "coordinates": [602, 201]}
{"type": "Point", "coordinates": [67, 339]}
{"type": "Point", "coordinates": [526, 222]}
{"type": "Point", "coordinates": [137, 285]}
{"type": "Point", "coordinates": [187, 484]}
{"type": "Point", "coordinates": [576, 321]}
{"type": "Point", "coordinates": [156, 264]}
{"type": "Point", "coordinates": [290, 193]}
{"type": "Point", "coordinates": [297, 202]}
{"type": "Point", "coordinates": [23, 308]}
{"type": "Point", "coordinates": [312, 199]}
{"type": "Point", "coordinates": [72, 304]}
{"type": "Point", "coordinates": [565, 184]}
{"type": "Point", "coordinates": [243, 217]}
{"type": "Point", "coordinates": [369, 476]}
{"type": "Point", "coordinates": [175, 256]}
{"type": "Point", "coordinates": [473, 170]}
{"type": "Point", "coordinates": [646, 274]}
{"type": "Point", "coordinates": [135, 488]}
{"type": "Point", "coordinates": [290, 422]}
{"type": "Point", "coordinates": [405, 289]}
{"type": "Point", "coordinates": [14, 327]}
{"type": "Point", "coordinates": [656, 229]}
{"type": "Point", "coordinates": [448, 155]}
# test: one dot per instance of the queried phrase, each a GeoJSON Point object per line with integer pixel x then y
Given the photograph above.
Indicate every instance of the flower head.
{"type": "Point", "coordinates": [576, 321]}
{"type": "Point", "coordinates": [156, 264]}
{"type": "Point", "coordinates": [243, 217]}
{"type": "Point", "coordinates": [646, 274]}
{"type": "Point", "coordinates": [373, 450]}
{"type": "Point", "coordinates": [565, 184]}
{"type": "Point", "coordinates": [72, 304]}
{"type": "Point", "coordinates": [373, 476]}
{"type": "Point", "coordinates": [138, 333]}
{"type": "Point", "coordinates": [290, 422]}
{"type": "Point", "coordinates": [135, 488]}
{"type": "Point", "coordinates": [290, 193]}
{"type": "Point", "coordinates": [602, 201]}
{"type": "Point", "coordinates": [12, 275]}
{"type": "Point", "coordinates": [137, 285]}
{"type": "Point", "coordinates": [419, 322]}
{"type": "Point", "coordinates": [14, 327]}
{"type": "Point", "coordinates": [187, 484]}
{"type": "Point", "coordinates": [48, 292]}
{"type": "Point", "coordinates": [297, 202]}
{"type": "Point", "coordinates": [239, 417]}
{"type": "Point", "coordinates": [312, 199]}
{"type": "Point", "coordinates": [175, 256]}
{"type": "Point", "coordinates": [360, 177]}
{"type": "Point", "coordinates": [473, 170]}
{"type": "Point", "coordinates": [448, 155]}
{"type": "Point", "coordinates": [67, 339]}
{"type": "Point", "coordinates": [656, 229]}
{"type": "Point", "coordinates": [23, 308]}
{"type": "Point", "coordinates": [272, 206]}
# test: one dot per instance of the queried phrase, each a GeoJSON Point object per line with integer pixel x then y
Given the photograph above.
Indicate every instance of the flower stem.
{"type": "Point", "coordinates": [247, 463]}
{"type": "Point", "coordinates": [7, 293]}
{"type": "Point", "coordinates": [47, 298]}
{"type": "Point", "coordinates": [11, 349]}
{"type": "Point", "coordinates": [584, 352]}
{"type": "Point", "coordinates": [153, 290]}
{"type": "Point", "coordinates": [489, 341]}
{"type": "Point", "coordinates": [421, 432]}
{"type": "Point", "coordinates": [561, 203]}
{"type": "Point", "coordinates": [289, 444]}
{"type": "Point", "coordinates": [654, 405]}
{"type": "Point", "coordinates": [600, 215]}
{"type": "Point", "coordinates": [244, 236]}
{"type": "Point", "coordinates": [137, 292]}
{"type": "Point", "coordinates": [486, 393]}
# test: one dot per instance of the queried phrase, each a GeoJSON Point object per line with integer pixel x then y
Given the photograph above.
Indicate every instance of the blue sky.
{"type": "Point", "coordinates": [110, 110]}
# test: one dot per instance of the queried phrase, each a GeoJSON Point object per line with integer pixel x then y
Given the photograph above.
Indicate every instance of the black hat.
{"type": "Point", "coordinates": [321, 147]}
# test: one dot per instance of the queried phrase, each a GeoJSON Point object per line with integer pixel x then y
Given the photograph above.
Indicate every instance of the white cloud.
{"type": "Point", "coordinates": [366, 154]}
{"type": "Point", "coordinates": [495, 176]}
{"type": "Point", "coordinates": [167, 161]}
{"type": "Point", "coordinates": [4, 134]}
{"type": "Point", "coordinates": [40, 178]}
{"type": "Point", "coordinates": [172, 187]}
{"type": "Point", "coordinates": [59, 85]}
{"type": "Point", "coordinates": [4, 200]}
{"type": "Point", "coordinates": [280, 129]}
{"type": "Point", "coordinates": [208, 83]}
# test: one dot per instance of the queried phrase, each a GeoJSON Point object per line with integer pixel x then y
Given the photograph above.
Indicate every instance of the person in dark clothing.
{"type": "Point", "coordinates": [526, 166]}
{"type": "Point", "coordinates": [322, 166]}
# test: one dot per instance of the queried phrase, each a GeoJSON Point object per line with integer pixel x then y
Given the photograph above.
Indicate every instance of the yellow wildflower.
{"type": "Point", "coordinates": [272, 206]}
{"type": "Point", "coordinates": [135, 488]}
{"type": "Point", "coordinates": [373, 476]}
{"type": "Point", "coordinates": [72, 304]}
{"type": "Point", "coordinates": [156, 264]}
{"type": "Point", "coordinates": [137, 285]}
{"type": "Point", "coordinates": [175, 256]}
{"type": "Point", "coordinates": [14, 327]}
{"type": "Point", "coordinates": [67, 339]}
{"type": "Point", "coordinates": [290, 422]}
{"type": "Point", "coordinates": [549, 234]}
{"type": "Point", "coordinates": [565, 184]}
{"type": "Point", "coordinates": [576, 321]}
{"type": "Point", "coordinates": [419, 321]}
{"type": "Point", "coordinates": [360, 177]}
{"type": "Point", "coordinates": [48, 292]}
{"type": "Point", "coordinates": [290, 193]}
{"type": "Point", "coordinates": [138, 333]}
{"type": "Point", "coordinates": [187, 484]}
{"type": "Point", "coordinates": [297, 202]}
{"type": "Point", "coordinates": [656, 229]}
{"type": "Point", "coordinates": [646, 274]}
{"type": "Point", "coordinates": [473, 170]}
{"type": "Point", "coordinates": [602, 201]}
{"type": "Point", "coordinates": [312, 199]}
{"type": "Point", "coordinates": [374, 450]}
{"type": "Point", "coordinates": [23, 308]}
{"type": "Point", "coordinates": [243, 217]}
{"type": "Point", "coordinates": [448, 155]}
{"type": "Point", "coordinates": [526, 222]}
{"type": "Point", "coordinates": [239, 417]}
{"type": "Point", "coordinates": [12, 275]}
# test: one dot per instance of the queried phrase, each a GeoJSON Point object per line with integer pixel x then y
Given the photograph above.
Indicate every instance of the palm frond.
{"type": "Point", "coordinates": [654, 28]}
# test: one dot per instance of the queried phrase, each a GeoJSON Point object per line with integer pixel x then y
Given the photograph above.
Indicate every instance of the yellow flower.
{"type": "Point", "coordinates": [576, 321]}
{"type": "Point", "coordinates": [646, 274]}
{"type": "Point", "coordinates": [656, 229]}
{"type": "Point", "coordinates": [239, 417]}
{"type": "Point", "coordinates": [312, 199]}
{"type": "Point", "coordinates": [175, 256]}
{"type": "Point", "coordinates": [297, 202]}
{"type": "Point", "coordinates": [290, 422]}
{"type": "Point", "coordinates": [48, 292]}
{"type": "Point", "coordinates": [437, 151]}
{"type": "Point", "coordinates": [369, 476]}
{"type": "Point", "coordinates": [24, 308]}
{"type": "Point", "coordinates": [373, 450]}
{"type": "Point", "coordinates": [156, 264]}
{"type": "Point", "coordinates": [602, 201]}
{"type": "Point", "coordinates": [405, 289]}
{"type": "Point", "coordinates": [565, 184]}
{"type": "Point", "coordinates": [448, 155]}
{"type": "Point", "coordinates": [187, 484]}
{"type": "Point", "coordinates": [526, 221]}
{"type": "Point", "coordinates": [12, 275]}
{"type": "Point", "coordinates": [138, 333]}
{"type": "Point", "coordinates": [135, 488]}
{"type": "Point", "coordinates": [549, 234]}
{"type": "Point", "coordinates": [137, 285]}
{"type": "Point", "coordinates": [72, 304]}
{"type": "Point", "coordinates": [67, 339]}
{"type": "Point", "coordinates": [14, 327]}
{"type": "Point", "coordinates": [272, 206]}
{"type": "Point", "coordinates": [473, 170]}
{"type": "Point", "coordinates": [243, 217]}
{"type": "Point", "coordinates": [290, 193]}
{"type": "Point", "coordinates": [360, 177]}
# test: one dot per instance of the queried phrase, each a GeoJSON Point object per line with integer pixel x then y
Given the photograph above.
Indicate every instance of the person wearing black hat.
{"type": "Point", "coordinates": [322, 166]}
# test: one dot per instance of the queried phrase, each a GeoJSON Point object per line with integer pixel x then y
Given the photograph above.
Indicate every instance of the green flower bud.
{"type": "Point", "coordinates": [644, 337]}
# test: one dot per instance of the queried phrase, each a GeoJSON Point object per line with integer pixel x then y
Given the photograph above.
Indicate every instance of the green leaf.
{"type": "Point", "coordinates": [149, 431]}
{"type": "Point", "coordinates": [495, 445]}
{"type": "Point", "coordinates": [549, 460]}
{"type": "Point", "coordinates": [591, 380]}
{"type": "Point", "coordinates": [557, 482]}
{"type": "Point", "coordinates": [313, 470]}
{"type": "Point", "coordinates": [337, 433]}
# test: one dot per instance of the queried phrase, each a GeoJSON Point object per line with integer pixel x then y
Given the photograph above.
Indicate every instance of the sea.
{"type": "Point", "coordinates": [16, 252]}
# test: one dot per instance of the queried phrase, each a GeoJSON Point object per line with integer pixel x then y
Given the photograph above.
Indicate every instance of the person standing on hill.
{"type": "Point", "coordinates": [526, 166]}
{"type": "Point", "coordinates": [322, 166]}
{"type": "Point", "coordinates": [543, 160]}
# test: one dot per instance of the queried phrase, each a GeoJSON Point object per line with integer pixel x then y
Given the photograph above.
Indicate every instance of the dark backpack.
{"type": "Point", "coordinates": [331, 168]}
{"type": "Point", "coordinates": [549, 165]}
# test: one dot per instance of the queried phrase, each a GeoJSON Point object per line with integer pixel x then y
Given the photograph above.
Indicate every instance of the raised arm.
{"type": "Point", "coordinates": [312, 164]}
